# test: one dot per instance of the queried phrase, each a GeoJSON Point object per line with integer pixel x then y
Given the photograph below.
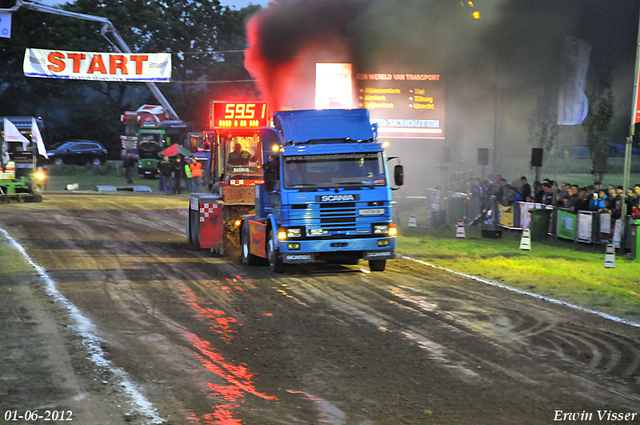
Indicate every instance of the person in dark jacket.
{"type": "Point", "coordinates": [583, 203]}
{"type": "Point", "coordinates": [166, 176]}
{"type": "Point", "coordinates": [178, 173]}
{"type": "Point", "coordinates": [239, 156]}
{"type": "Point", "coordinates": [538, 192]}
{"type": "Point", "coordinates": [525, 188]}
{"type": "Point", "coordinates": [128, 164]}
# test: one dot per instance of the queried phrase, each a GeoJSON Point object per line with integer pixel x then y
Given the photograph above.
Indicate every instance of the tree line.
{"type": "Point", "coordinates": [206, 41]}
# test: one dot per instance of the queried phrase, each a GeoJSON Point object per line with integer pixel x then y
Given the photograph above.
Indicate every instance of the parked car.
{"type": "Point", "coordinates": [78, 152]}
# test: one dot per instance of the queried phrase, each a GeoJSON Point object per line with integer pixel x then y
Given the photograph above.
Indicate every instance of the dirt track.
{"type": "Point", "coordinates": [205, 340]}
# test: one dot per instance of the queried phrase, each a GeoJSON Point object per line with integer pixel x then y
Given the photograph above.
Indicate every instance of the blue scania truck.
{"type": "Point", "coordinates": [326, 194]}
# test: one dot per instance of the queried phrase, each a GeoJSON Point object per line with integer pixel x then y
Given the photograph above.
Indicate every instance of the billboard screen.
{"type": "Point", "coordinates": [333, 86]}
{"type": "Point", "coordinates": [404, 105]}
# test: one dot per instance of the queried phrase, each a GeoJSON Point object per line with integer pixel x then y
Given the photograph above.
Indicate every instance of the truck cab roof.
{"type": "Point", "coordinates": [316, 149]}
{"type": "Point", "coordinates": [324, 126]}
{"type": "Point", "coordinates": [21, 122]}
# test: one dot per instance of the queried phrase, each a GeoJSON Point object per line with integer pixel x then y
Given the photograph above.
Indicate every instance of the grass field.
{"type": "Point", "coordinates": [12, 261]}
{"type": "Point", "coordinates": [559, 269]}
{"type": "Point", "coordinates": [57, 183]}
{"type": "Point", "coordinates": [88, 177]}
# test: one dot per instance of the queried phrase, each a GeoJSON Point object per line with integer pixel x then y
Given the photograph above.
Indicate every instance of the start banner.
{"type": "Point", "coordinates": [134, 67]}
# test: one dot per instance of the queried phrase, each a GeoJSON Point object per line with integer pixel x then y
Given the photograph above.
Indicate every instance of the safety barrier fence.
{"type": "Point", "coordinates": [581, 227]}
{"type": "Point", "coordinates": [588, 227]}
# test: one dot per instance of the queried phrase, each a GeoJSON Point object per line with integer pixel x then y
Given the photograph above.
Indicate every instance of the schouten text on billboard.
{"type": "Point", "coordinates": [73, 65]}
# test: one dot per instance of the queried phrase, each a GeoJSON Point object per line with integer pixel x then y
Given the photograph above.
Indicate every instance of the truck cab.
{"type": "Point", "coordinates": [326, 194]}
{"type": "Point", "coordinates": [22, 174]}
{"type": "Point", "coordinates": [153, 140]}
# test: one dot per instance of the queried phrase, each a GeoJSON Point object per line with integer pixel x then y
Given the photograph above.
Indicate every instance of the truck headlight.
{"type": "Point", "coordinates": [385, 229]}
{"type": "Point", "coordinates": [380, 229]}
{"type": "Point", "coordinates": [294, 232]}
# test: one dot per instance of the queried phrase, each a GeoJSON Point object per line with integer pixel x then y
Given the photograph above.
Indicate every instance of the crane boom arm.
{"type": "Point", "coordinates": [107, 27]}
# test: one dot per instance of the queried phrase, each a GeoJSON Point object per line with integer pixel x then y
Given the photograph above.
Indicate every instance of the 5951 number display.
{"type": "Point", "coordinates": [239, 115]}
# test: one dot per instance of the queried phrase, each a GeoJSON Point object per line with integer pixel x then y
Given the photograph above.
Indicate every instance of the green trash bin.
{"type": "Point", "coordinates": [635, 236]}
{"type": "Point", "coordinates": [539, 226]}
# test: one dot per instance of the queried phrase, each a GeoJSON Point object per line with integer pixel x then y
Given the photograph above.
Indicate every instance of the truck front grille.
{"type": "Point", "coordinates": [338, 216]}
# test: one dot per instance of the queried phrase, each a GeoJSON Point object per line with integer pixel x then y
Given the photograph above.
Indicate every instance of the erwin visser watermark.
{"type": "Point", "coordinates": [598, 415]}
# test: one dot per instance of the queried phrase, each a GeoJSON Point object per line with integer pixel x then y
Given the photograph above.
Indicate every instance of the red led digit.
{"type": "Point", "coordinates": [229, 111]}
{"type": "Point", "coordinates": [240, 110]}
{"type": "Point", "coordinates": [250, 109]}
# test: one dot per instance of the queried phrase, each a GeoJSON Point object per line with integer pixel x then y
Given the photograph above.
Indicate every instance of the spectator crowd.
{"type": "Point", "coordinates": [174, 171]}
{"type": "Point", "coordinates": [569, 196]}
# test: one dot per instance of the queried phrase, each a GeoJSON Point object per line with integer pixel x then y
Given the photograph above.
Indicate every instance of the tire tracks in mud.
{"type": "Point", "coordinates": [163, 329]}
{"type": "Point", "coordinates": [91, 342]}
{"type": "Point", "coordinates": [596, 345]}
{"type": "Point", "coordinates": [459, 327]}
{"type": "Point", "coordinates": [207, 338]}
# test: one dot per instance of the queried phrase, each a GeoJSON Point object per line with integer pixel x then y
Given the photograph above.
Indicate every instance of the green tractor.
{"type": "Point", "coordinates": [22, 176]}
{"type": "Point", "coordinates": [152, 141]}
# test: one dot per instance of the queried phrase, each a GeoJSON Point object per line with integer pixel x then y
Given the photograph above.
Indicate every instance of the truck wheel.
{"type": "Point", "coordinates": [377, 265]}
{"type": "Point", "coordinates": [275, 264]}
{"type": "Point", "coordinates": [36, 188]}
{"type": "Point", "coordinates": [248, 259]}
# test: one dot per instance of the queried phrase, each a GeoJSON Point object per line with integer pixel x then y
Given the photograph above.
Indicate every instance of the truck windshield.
{"type": "Point", "coordinates": [334, 170]}
{"type": "Point", "coordinates": [153, 138]}
{"type": "Point", "coordinates": [150, 144]}
{"type": "Point", "coordinates": [243, 158]}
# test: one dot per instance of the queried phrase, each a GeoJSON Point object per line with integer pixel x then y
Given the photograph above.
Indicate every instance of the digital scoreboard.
{"type": "Point", "coordinates": [404, 105]}
{"type": "Point", "coordinates": [238, 115]}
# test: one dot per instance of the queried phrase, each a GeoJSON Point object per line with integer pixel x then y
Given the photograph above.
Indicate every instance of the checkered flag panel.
{"type": "Point", "coordinates": [206, 210]}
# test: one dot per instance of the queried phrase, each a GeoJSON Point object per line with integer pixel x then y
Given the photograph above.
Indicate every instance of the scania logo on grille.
{"type": "Point", "coordinates": [372, 255]}
{"type": "Point", "coordinates": [378, 254]}
{"type": "Point", "coordinates": [337, 198]}
{"type": "Point", "coordinates": [299, 257]}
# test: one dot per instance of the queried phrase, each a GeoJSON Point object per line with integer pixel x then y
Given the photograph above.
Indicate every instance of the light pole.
{"type": "Point", "coordinates": [495, 121]}
{"type": "Point", "coordinates": [635, 118]}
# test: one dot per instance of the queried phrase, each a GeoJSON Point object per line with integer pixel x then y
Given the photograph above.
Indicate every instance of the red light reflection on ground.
{"type": "Point", "coordinates": [221, 322]}
{"type": "Point", "coordinates": [238, 380]}
{"type": "Point", "coordinates": [212, 418]}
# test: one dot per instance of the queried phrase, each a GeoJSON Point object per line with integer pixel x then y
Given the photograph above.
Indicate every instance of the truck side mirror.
{"type": "Point", "coordinates": [269, 181]}
{"type": "Point", "coordinates": [271, 170]}
{"type": "Point", "coordinates": [398, 175]}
